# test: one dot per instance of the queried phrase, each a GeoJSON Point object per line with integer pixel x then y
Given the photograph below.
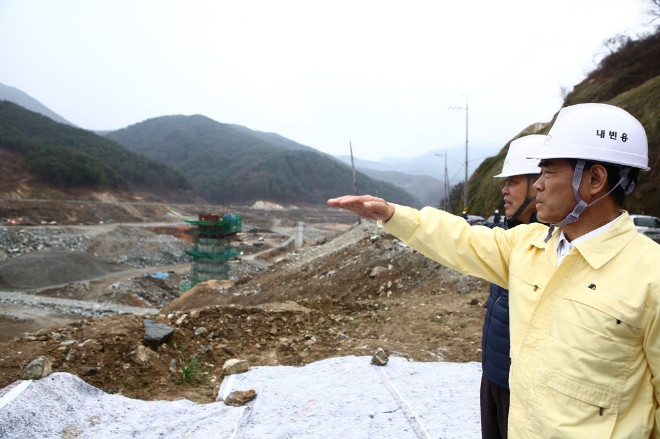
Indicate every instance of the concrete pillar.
{"type": "Point", "coordinates": [298, 237]}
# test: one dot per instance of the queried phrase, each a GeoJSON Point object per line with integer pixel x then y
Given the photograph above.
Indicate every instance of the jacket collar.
{"type": "Point", "coordinates": [598, 250]}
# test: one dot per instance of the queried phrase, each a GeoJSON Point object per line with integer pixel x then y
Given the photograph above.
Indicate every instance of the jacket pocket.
{"type": "Point", "coordinates": [567, 407]}
{"type": "Point", "coordinates": [599, 328]}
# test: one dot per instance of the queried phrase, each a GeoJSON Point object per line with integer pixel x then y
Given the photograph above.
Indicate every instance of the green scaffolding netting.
{"type": "Point", "coordinates": [217, 257]}
{"type": "Point", "coordinates": [227, 225]}
{"type": "Point", "coordinates": [212, 248]}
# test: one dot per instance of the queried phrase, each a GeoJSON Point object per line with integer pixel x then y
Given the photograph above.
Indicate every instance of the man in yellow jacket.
{"type": "Point", "coordinates": [584, 295]}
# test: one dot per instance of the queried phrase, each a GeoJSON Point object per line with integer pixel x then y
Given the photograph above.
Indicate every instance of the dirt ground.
{"type": "Point", "coordinates": [347, 296]}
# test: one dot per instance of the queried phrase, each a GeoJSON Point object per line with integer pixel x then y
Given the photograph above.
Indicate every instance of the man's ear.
{"type": "Point", "coordinates": [597, 179]}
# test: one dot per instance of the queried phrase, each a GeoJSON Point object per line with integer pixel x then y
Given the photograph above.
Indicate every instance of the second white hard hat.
{"type": "Point", "coordinates": [517, 161]}
{"type": "Point", "coordinates": [598, 132]}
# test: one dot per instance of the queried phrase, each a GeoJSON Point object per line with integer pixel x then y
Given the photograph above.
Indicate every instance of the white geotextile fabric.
{"type": "Point", "coordinates": [344, 397]}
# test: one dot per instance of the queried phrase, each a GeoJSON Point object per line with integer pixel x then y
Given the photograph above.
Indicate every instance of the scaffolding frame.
{"type": "Point", "coordinates": [211, 250]}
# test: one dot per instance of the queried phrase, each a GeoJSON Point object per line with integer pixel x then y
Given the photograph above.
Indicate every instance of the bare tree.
{"type": "Point", "coordinates": [654, 9]}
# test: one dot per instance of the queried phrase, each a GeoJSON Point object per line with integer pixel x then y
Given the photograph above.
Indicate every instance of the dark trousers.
{"type": "Point", "coordinates": [494, 410]}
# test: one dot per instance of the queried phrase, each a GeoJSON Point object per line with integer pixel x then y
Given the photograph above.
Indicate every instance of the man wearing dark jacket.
{"type": "Point", "coordinates": [520, 174]}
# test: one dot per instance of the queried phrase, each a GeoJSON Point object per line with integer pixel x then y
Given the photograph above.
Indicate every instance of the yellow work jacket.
{"type": "Point", "coordinates": [585, 348]}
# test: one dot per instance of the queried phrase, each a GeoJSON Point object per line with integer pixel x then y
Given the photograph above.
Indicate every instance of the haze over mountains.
{"type": "Point", "coordinates": [26, 101]}
{"type": "Point", "coordinates": [431, 163]}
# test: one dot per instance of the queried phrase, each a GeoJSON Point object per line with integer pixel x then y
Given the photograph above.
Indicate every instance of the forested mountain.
{"type": "Point", "coordinates": [66, 156]}
{"type": "Point", "coordinates": [26, 101]}
{"type": "Point", "coordinates": [228, 163]}
{"type": "Point", "coordinates": [628, 78]}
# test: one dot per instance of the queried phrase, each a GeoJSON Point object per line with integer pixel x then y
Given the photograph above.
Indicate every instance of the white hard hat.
{"type": "Point", "coordinates": [517, 161]}
{"type": "Point", "coordinates": [497, 211]}
{"type": "Point", "coordinates": [597, 132]}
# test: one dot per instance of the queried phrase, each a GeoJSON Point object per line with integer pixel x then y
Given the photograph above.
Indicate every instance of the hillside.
{"type": "Point", "coordinates": [628, 78]}
{"type": "Point", "coordinates": [229, 164]}
{"type": "Point", "coordinates": [64, 156]}
{"type": "Point", "coordinates": [23, 99]}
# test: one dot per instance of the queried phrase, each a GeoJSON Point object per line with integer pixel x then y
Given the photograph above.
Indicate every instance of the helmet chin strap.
{"type": "Point", "coordinates": [525, 203]}
{"type": "Point", "coordinates": [572, 217]}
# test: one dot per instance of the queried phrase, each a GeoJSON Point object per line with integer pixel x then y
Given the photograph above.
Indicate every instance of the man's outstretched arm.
{"type": "Point", "coordinates": [441, 236]}
{"type": "Point", "coordinates": [365, 206]}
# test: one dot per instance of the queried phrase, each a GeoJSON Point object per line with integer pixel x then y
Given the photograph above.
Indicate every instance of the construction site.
{"type": "Point", "coordinates": [273, 287]}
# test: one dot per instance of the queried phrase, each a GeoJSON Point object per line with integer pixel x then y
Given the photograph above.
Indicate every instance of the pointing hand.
{"type": "Point", "coordinates": [365, 206]}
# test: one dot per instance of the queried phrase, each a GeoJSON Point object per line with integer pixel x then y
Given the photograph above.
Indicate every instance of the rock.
{"type": "Point", "coordinates": [376, 271]}
{"type": "Point", "coordinates": [38, 368]}
{"type": "Point", "coordinates": [181, 319]}
{"type": "Point", "coordinates": [93, 345]}
{"type": "Point", "coordinates": [474, 302]}
{"type": "Point", "coordinates": [239, 397]}
{"type": "Point", "coordinates": [156, 333]}
{"type": "Point", "coordinates": [201, 332]}
{"type": "Point", "coordinates": [142, 355]}
{"type": "Point", "coordinates": [380, 358]}
{"type": "Point", "coordinates": [194, 314]}
{"type": "Point", "coordinates": [71, 354]}
{"type": "Point", "coordinates": [220, 283]}
{"type": "Point", "coordinates": [67, 343]}
{"type": "Point", "coordinates": [91, 371]}
{"type": "Point", "coordinates": [235, 366]}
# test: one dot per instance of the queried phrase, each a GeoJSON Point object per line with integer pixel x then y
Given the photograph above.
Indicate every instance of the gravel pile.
{"type": "Point", "coordinates": [52, 267]}
{"type": "Point", "coordinates": [135, 246]}
{"type": "Point", "coordinates": [70, 307]}
{"type": "Point", "coordinates": [241, 270]}
{"type": "Point", "coordinates": [15, 242]}
{"type": "Point", "coordinates": [139, 248]}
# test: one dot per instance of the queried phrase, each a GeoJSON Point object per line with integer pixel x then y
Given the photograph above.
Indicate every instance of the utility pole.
{"type": "Point", "coordinates": [465, 196]}
{"type": "Point", "coordinates": [447, 188]}
{"type": "Point", "coordinates": [465, 185]}
{"type": "Point", "coordinates": [447, 202]}
{"type": "Point", "coordinates": [350, 144]}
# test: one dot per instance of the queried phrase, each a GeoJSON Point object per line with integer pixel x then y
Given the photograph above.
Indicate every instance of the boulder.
{"type": "Point", "coordinates": [235, 366]}
{"type": "Point", "coordinates": [156, 333]}
{"type": "Point", "coordinates": [38, 368]}
{"type": "Point", "coordinates": [380, 358]}
{"type": "Point", "coordinates": [239, 397]}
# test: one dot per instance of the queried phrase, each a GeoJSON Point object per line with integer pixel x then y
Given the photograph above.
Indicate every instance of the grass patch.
{"type": "Point", "coordinates": [191, 371]}
{"type": "Point", "coordinates": [127, 381]}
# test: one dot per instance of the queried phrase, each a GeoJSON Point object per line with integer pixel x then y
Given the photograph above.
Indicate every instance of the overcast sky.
{"type": "Point", "coordinates": [380, 74]}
